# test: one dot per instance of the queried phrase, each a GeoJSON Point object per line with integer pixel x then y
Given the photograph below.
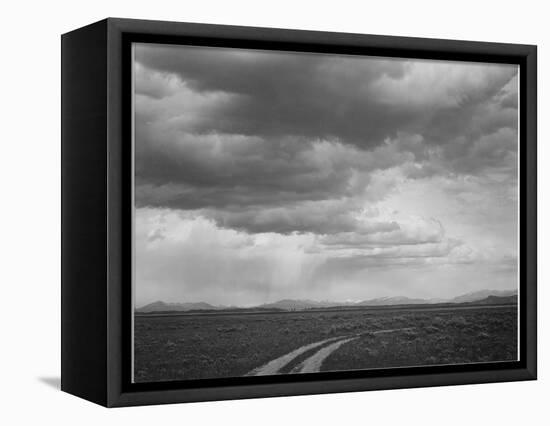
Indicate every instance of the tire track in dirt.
{"type": "Point", "coordinates": [314, 362]}
{"type": "Point", "coordinates": [274, 366]}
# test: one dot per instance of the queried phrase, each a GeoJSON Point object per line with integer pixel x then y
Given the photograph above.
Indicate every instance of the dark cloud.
{"type": "Point", "coordinates": [285, 94]}
{"type": "Point", "coordinates": [228, 171]}
{"type": "Point", "coordinates": [321, 217]}
{"type": "Point", "coordinates": [328, 96]}
{"type": "Point", "coordinates": [281, 142]}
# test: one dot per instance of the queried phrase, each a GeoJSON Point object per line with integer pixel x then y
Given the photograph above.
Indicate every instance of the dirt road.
{"type": "Point", "coordinates": [313, 363]}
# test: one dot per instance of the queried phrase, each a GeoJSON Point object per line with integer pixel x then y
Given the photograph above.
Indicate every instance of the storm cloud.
{"type": "Point", "coordinates": [310, 163]}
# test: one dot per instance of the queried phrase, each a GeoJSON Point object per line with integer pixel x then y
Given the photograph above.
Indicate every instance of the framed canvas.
{"type": "Point", "coordinates": [254, 212]}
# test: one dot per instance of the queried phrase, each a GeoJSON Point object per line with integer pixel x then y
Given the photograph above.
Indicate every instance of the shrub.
{"type": "Point", "coordinates": [459, 321]}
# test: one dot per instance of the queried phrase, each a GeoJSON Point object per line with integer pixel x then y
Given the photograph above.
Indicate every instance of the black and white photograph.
{"type": "Point", "coordinates": [289, 213]}
{"type": "Point", "coordinates": [309, 212]}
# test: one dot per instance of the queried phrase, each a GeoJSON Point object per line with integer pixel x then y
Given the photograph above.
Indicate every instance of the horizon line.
{"type": "Point", "coordinates": [516, 290]}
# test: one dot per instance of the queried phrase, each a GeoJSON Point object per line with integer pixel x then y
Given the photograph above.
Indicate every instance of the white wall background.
{"type": "Point", "coordinates": [30, 242]}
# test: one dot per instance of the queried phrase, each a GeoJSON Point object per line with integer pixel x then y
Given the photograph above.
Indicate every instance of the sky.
{"type": "Point", "coordinates": [265, 175]}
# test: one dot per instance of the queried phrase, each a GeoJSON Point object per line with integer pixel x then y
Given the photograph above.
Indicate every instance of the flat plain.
{"type": "Point", "coordinates": [232, 344]}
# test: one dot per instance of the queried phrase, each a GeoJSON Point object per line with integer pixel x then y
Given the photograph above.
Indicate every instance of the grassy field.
{"type": "Point", "coordinates": [228, 345]}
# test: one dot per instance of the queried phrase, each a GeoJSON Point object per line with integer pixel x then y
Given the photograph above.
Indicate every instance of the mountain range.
{"type": "Point", "coordinates": [164, 307]}
{"type": "Point", "coordinates": [478, 297]}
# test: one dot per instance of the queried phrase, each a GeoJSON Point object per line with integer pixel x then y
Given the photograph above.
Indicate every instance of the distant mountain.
{"type": "Point", "coordinates": [497, 300]}
{"type": "Point", "coordinates": [291, 304]}
{"type": "Point", "coordinates": [477, 297]}
{"type": "Point", "coordinates": [166, 307]}
{"type": "Point", "coordinates": [482, 294]}
{"type": "Point", "coordinates": [395, 300]}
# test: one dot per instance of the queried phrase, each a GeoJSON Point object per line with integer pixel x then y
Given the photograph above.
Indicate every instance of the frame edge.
{"type": "Point", "coordinates": [117, 395]}
{"type": "Point", "coordinates": [83, 222]}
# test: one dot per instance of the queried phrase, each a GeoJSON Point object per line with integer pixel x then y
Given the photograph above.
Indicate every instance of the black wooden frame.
{"type": "Point", "coordinates": [97, 206]}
